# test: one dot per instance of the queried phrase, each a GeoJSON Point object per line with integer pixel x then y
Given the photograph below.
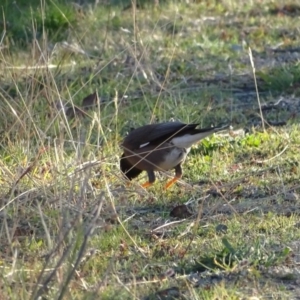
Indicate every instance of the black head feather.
{"type": "Point", "coordinates": [129, 171]}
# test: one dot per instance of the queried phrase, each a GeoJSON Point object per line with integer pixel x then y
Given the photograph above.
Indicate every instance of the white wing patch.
{"type": "Point", "coordinates": [144, 145]}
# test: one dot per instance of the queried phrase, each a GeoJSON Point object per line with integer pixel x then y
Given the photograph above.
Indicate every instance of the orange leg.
{"type": "Point", "coordinates": [171, 182]}
{"type": "Point", "coordinates": [146, 184]}
{"type": "Point", "coordinates": [178, 174]}
{"type": "Point", "coordinates": [151, 177]}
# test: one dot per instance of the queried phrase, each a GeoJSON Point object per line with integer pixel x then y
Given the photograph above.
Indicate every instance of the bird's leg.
{"type": "Point", "coordinates": [151, 177]}
{"type": "Point", "coordinates": [178, 174]}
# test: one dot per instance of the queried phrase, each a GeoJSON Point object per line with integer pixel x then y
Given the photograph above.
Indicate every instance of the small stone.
{"type": "Point", "coordinates": [180, 211]}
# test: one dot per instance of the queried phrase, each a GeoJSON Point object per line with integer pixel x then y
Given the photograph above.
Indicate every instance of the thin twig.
{"type": "Point", "coordinates": [256, 89]}
{"type": "Point", "coordinates": [267, 160]}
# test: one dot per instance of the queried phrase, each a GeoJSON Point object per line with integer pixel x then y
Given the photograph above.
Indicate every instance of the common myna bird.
{"type": "Point", "coordinates": [160, 147]}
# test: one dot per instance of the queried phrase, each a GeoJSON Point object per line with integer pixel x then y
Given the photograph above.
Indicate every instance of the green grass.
{"type": "Point", "coordinates": [71, 226]}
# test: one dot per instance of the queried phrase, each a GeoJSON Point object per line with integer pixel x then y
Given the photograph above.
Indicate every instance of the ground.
{"type": "Point", "coordinates": [72, 227]}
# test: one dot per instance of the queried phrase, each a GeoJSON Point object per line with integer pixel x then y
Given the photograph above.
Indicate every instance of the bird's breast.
{"type": "Point", "coordinates": [173, 157]}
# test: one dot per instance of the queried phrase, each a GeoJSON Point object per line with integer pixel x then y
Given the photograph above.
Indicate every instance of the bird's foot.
{"type": "Point", "coordinates": [171, 182]}
{"type": "Point", "coordinates": [146, 184]}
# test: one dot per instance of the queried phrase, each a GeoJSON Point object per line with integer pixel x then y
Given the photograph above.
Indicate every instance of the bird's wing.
{"type": "Point", "coordinates": [212, 129]}
{"type": "Point", "coordinates": [149, 133]}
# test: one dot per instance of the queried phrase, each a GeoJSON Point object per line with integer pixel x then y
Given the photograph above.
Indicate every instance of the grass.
{"type": "Point", "coordinates": [71, 226]}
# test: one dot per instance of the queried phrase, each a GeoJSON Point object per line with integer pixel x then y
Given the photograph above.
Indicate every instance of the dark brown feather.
{"type": "Point", "coordinates": [129, 171]}
{"type": "Point", "coordinates": [155, 133]}
{"type": "Point", "coordinates": [154, 153]}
